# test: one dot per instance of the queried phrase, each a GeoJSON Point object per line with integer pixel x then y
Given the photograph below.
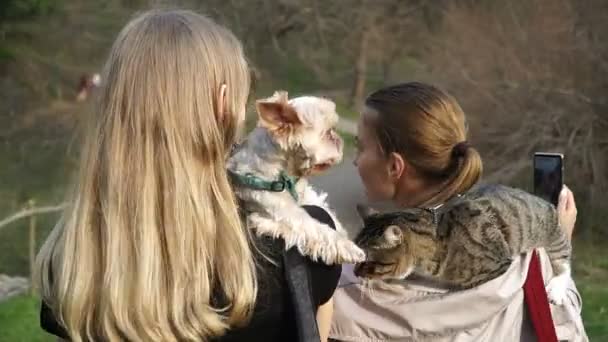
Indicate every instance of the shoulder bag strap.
{"type": "Point", "coordinates": [537, 302]}
{"type": "Point", "coordinates": [297, 275]}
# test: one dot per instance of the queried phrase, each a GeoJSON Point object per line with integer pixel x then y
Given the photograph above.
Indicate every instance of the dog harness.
{"type": "Point", "coordinates": [285, 182]}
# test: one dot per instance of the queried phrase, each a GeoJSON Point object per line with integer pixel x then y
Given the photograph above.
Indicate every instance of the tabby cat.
{"type": "Point", "coordinates": [466, 242]}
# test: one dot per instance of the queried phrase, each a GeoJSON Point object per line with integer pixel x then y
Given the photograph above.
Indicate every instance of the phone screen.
{"type": "Point", "coordinates": [548, 178]}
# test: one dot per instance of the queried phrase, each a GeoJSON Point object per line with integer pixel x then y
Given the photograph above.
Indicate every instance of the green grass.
{"type": "Point", "coordinates": [349, 141]}
{"type": "Point", "coordinates": [292, 75]}
{"type": "Point", "coordinates": [595, 310]}
{"type": "Point", "coordinates": [29, 171]}
{"type": "Point", "coordinates": [19, 320]}
{"type": "Point", "coordinates": [6, 54]}
{"type": "Point", "coordinates": [590, 272]}
{"type": "Point", "coordinates": [345, 111]}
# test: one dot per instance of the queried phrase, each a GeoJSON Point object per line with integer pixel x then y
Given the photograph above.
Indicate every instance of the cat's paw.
{"type": "Point", "coordinates": [557, 290]}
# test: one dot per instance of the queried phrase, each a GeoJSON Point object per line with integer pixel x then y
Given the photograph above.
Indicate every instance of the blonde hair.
{"type": "Point", "coordinates": [151, 246]}
{"type": "Point", "coordinates": [428, 128]}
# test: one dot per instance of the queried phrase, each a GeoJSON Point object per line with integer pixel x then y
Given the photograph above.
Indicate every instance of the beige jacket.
{"type": "Point", "coordinates": [494, 311]}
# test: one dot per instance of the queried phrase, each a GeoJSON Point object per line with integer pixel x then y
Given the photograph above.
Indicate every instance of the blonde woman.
{"type": "Point", "coordinates": [151, 246]}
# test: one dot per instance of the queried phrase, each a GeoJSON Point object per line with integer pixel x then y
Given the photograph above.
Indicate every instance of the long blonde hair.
{"type": "Point", "coordinates": [150, 246]}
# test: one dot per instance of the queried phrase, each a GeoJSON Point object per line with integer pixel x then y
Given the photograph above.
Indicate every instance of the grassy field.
{"type": "Point", "coordinates": [345, 111]}
{"type": "Point", "coordinates": [19, 320]}
{"type": "Point", "coordinates": [591, 276]}
{"type": "Point", "coordinates": [41, 178]}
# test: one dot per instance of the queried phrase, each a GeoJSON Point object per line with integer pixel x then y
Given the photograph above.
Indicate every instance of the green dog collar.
{"type": "Point", "coordinates": [285, 182]}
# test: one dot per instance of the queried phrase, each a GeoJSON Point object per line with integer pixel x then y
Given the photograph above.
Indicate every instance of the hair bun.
{"type": "Point", "coordinates": [460, 149]}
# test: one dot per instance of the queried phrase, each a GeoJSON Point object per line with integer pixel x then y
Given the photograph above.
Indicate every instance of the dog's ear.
{"type": "Point", "coordinates": [275, 112]}
{"type": "Point", "coordinates": [365, 211]}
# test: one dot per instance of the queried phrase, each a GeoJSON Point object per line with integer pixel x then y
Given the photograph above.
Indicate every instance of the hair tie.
{"type": "Point", "coordinates": [460, 149]}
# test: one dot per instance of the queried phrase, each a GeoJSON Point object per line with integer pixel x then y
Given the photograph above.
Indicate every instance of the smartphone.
{"type": "Point", "coordinates": [548, 175]}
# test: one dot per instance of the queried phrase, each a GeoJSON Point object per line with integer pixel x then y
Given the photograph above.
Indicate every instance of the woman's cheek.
{"type": "Point", "coordinates": [368, 178]}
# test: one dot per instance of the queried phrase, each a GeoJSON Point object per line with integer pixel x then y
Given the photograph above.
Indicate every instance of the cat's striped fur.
{"type": "Point", "coordinates": [468, 241]}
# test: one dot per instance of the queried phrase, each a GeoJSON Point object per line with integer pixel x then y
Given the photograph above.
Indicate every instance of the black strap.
{"type": "Point", "coordinates": [298, 280]}
{"type": "Point", "coordinates": [297, 275]}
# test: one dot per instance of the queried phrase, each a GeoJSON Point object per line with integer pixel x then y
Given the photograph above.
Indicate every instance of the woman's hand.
{"type": "Point", "coordinates": [566, 211]}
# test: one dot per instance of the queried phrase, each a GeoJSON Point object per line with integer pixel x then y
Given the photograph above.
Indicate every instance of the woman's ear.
{"type": "Point", "coordinates": [397, 166]}
{"type": "Point", "coordinates": [221, 103]}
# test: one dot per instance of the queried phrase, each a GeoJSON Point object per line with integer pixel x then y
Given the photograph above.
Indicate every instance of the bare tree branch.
{"type": "Point", "coordinates": [29, 212]}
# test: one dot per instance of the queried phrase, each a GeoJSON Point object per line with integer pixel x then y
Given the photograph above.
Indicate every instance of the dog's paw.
{"type": "Point", "coordinates": [263, 226]}
{"type": "Point", "coordinates": [349, 253]}
{"type": "Point", "coordinates": [557, 290]}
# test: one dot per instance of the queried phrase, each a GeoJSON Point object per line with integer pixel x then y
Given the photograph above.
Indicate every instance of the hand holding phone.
{"type": "Point", "coordinates": [566, 211]}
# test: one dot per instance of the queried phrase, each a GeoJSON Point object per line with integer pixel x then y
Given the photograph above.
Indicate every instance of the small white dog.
{"type": "Point", "coordinates": [294, 139]}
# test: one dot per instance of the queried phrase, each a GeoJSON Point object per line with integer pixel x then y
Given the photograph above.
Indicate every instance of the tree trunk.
{"type": "Point", "coordinates": [387, 66]}
{"type": "Point", "coordinates": [358, 90]}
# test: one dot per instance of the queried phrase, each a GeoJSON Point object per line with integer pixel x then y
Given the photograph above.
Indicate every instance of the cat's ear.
{"type": "Point", "coordinates": [393, 236]}
{"type": "Point", "coordinates": [365, 211]}
{"type": "Point", "coordinates": [275, 112]}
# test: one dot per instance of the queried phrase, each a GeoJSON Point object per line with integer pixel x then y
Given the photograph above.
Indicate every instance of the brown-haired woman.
{"type": "Point", "coordinates": [413, 150]}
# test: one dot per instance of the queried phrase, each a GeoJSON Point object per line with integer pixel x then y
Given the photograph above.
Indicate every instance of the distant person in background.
{"type": "Point", "coordinates": [151, 246]}
{"type": "Point", "coordinates": [412, 150]}
{"type": "Point", "coordinates": [86, 85]}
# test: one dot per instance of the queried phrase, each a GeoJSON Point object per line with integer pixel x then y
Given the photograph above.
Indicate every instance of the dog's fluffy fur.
{"type": "Point", "coordinates": [298, 137]}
